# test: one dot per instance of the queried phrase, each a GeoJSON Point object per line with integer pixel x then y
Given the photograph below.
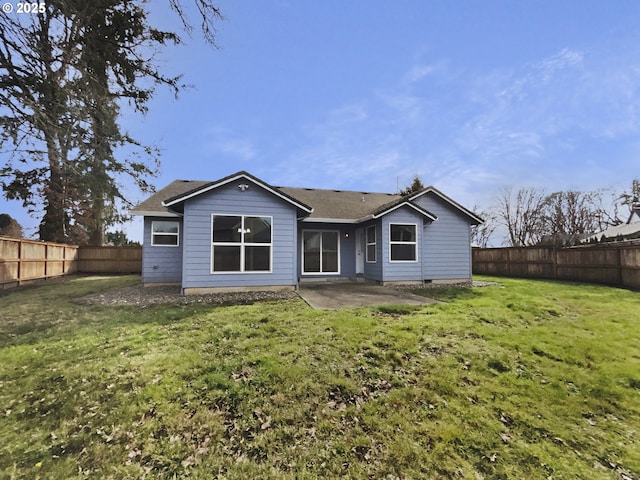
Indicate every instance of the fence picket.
{"type": "Point", "coordinates": [23, 261]}
{"type": "Point", "coordinates": [617, 265]}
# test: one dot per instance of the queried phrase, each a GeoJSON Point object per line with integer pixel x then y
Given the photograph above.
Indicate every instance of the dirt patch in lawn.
{"type": "Point", "coordinates": [142, 296]}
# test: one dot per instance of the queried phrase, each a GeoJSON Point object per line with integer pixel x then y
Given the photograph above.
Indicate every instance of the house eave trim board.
{"type": "Point", "coordinates": [448, 200]}
{"type": "Point", "coordinates": [421, 211]}
{"type": "Point", "coordinates": [330, 220]}
{"type": "Point", "coordinates": [142, 213]}
{"type": "Point", "coordinates": [225, 181]}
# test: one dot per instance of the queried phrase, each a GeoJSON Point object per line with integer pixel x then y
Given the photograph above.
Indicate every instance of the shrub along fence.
{"type": "Point", "coordinates": [25, 261]}
{"type": "Point", "coordinates": [617, 265]}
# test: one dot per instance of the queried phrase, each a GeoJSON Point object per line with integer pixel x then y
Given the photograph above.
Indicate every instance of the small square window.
{"type": "Point", "coordinates": [165, 233]}
{"type": "Point", "coordinates": [403, 244]}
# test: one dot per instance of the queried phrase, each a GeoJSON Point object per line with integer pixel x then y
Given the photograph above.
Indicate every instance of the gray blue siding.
{"type": "Point", "coordinates": [161, 264]}
{"type": "Point", "coordinates": [229, 200]}
{"type": "Point", "coordinates": [373, 271]}
{"type": "Point", "coordinates": [443, 246]}
{"type": "Point", "coordinates": [402, 271]}
{"type": "Point", "coordinates": [447, 241]}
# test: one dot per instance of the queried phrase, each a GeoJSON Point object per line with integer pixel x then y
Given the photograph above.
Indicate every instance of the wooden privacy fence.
{"type": "Point", "coordinates": [110, 259]}
{"type": "Point", "coordinates": [609, 265]}
{"type": "Point", "coordinates": [24, 261]}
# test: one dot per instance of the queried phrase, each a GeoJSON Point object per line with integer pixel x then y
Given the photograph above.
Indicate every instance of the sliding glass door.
{"type": "Point", "coordinates": [321, 252]}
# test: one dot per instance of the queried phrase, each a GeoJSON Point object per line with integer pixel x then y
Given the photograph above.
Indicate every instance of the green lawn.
{"type": "Point", "coordinates": [530, 380]}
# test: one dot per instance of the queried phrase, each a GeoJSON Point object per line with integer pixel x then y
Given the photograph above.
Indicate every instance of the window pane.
{"type": "Point", "coordinates": [311, 246]}
{"type": "Point", "coordinates": [227, 229]}
{"type": "Point", "coordinates": [403, 233]}
{"type": "Point", "coordinates": [257, 259]}
{"type": "Point", "coordinates": [371, 234]}
{"type": "Point", "coordinates": [371, 253]}
{"type": "Point", "coordinates": [226, 258]}
{"type": "Point", "coordinates": [329, 252]}
{"type": "Point", "coordinates": [165, 239]}
{"type": "Point", "coordinates": [403, 252]}
{"type": "Point", "coordinates": [257, 230]}
{"type": "Point", "coordinates": [165, 227]}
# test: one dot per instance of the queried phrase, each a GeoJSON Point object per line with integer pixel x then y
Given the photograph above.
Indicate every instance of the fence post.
{"type": "Point", "coordinates": [554, 259]}
{"type": "Point", "coordinates": [20, 270]}
{"type": "Point", "coordinates": [619, 266]}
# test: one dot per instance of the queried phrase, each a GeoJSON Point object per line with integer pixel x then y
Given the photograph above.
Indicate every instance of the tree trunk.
{"type": "Point", "coordinates": [53, 224]}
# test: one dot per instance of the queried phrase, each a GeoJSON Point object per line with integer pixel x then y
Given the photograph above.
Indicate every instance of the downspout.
{"type": "Point", "coordinates": [296, 257]}
{"type": "Point", "coordinates": [423, 248]}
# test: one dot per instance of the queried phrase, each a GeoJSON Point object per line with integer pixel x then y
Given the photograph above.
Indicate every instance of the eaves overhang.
{"type": "Point", "coordinates": [475, 219]}
{"type": "Point", "coordinates": [144, 213]}
{"type": "Point", "coordinates": [330, 220]}
{"type": "Point", "coordinates": [232, 178]}
{"type": "Point", "coordinates": [409, 204]}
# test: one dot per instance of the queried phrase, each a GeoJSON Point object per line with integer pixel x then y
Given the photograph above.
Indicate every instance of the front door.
{"type": "Point", "coordinates": [320, 252]}
{"type": "Point", "coordinates": [359, 251]}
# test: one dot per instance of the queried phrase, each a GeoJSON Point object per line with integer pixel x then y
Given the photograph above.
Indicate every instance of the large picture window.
{"type": "Point", "coordinates": [165, 233]}
{"type": "Point", "coordinates": [241, 243]}
{"type": "Point", "coordinates": [321, 252]}
{"type": "Point", "coordinates": [403, 242]}
{"type": "Point", "coordinates": [371, 244]}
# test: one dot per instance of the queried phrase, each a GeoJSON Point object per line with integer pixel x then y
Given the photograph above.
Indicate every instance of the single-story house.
{"type": "Point", "coordinates": [239, 232]}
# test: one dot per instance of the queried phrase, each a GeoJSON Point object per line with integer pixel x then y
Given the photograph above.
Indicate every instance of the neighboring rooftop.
{"type": "Point", "coordinates": [626, 231]}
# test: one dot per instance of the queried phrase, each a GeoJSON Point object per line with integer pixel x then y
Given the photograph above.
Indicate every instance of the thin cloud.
{"type": "Point", "coordinates": [228, 144]}
{"type": "Point", "coordinates": [479, 129]}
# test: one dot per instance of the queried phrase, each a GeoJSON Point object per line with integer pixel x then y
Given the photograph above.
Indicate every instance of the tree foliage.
{"type": "Point", "coordinates": [9, 226]}
{"type": "Point", "coordinates": [415, 186]}
{"type": "Point", "coordinates": [64, 75]}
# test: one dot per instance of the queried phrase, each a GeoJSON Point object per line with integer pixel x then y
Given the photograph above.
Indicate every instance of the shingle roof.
{"type": "Point", "coordinates": [339, 204]}
{"type": "Point", "coordinates": [153, 204]}
{"type": "Point", "coordinates": [332, 205]}
{"type": "Point", "coordinates": [627, 230]}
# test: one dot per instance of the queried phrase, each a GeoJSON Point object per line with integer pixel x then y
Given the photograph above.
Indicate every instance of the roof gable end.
{"type": "Point", "coordinates": [476, 220]}
{"type": "Point", "coordinates": [232, 178]}
{"type": "Point", "coordinates": [403, 202]}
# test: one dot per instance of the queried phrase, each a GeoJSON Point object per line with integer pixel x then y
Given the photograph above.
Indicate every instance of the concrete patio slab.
{"type": "Point", "coordinates": [333, 296]}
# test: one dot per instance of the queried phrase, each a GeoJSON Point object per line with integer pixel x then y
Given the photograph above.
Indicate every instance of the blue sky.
{"type": "Point", "coordinates": [473, 96]}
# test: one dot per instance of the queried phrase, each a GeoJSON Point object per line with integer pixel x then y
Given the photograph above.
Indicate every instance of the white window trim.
{"type": "Point", "coordinates": [368, 244]}
{"type": "Point", "coordinates": [241, 244]}
{"type": "Point", "coordinates": [302, 253]}
{"type": "Point", "coordinates": [177, 234]}
{"type": "Point", "coordinates": [415, 243]}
